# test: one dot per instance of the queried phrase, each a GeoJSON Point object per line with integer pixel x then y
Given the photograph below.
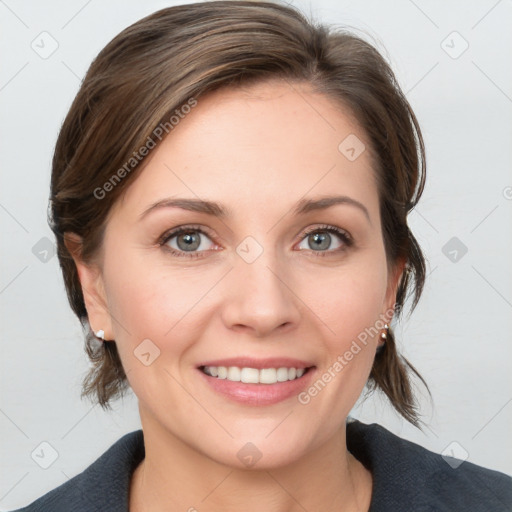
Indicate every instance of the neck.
{"type": "Point", "coordinates": [174, 476]}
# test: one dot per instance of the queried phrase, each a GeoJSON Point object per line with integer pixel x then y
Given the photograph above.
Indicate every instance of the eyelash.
{"type": "Point", "coordinates": [342, 234]}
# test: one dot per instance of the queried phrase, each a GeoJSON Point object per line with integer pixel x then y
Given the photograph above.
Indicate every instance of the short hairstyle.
{"type": "Point", "coordinates": [167, 60]}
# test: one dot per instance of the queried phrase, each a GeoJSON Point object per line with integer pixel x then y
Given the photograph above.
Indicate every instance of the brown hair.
{"type": "Point", "coordinates": [148, 72]}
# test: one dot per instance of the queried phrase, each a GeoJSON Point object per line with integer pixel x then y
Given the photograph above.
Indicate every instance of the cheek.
{"type": "Point", "coordinates": [350, 300]}
{"type": "Point", "coordinates": [350, 308]}
{"type": "Point", "coordinates": [152, 300]}
{"type": "Point", "coordinates": [149, 301]}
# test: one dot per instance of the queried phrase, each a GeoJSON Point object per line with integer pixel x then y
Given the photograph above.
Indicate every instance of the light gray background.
{"type": "Point", "coordinates": [459, 337]}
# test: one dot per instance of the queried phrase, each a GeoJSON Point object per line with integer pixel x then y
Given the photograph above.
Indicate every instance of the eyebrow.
{"type": "Point", "coordinates": [212, 208]}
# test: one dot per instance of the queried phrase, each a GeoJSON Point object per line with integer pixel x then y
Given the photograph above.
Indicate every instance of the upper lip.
{"type": "Point", "coordinates": [249, 362]}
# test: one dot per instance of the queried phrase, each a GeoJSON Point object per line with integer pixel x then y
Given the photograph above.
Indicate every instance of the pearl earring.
{"type": "Point", "coordinates": [383, 337]}
{"type": "Point", "coordinates": [100, 334]}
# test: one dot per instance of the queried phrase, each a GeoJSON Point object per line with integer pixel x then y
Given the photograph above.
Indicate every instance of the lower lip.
{"type": "Point", "coordinates": [258, 394]}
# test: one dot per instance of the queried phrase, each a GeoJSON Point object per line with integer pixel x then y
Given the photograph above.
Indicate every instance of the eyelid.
{"type": "Point", "coordinates": [342, 233]}
{"type": "Point", "coordinates": [171, 233]}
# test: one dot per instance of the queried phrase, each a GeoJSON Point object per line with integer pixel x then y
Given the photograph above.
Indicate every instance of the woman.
{"type": "Point", "coordinates": [229, 194]}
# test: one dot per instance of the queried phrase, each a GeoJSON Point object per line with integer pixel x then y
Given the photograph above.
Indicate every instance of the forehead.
{"type": "Point", "coordinates": [266, 143]}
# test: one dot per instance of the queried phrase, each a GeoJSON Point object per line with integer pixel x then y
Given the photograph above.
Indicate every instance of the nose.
{"type": "Point", "coordinates": [261, 299]}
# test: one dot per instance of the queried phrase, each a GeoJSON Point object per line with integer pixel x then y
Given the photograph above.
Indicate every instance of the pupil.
{"type": "Point", "coordinates": [318, 239]}
{"type": "Point", "coordinates": [190, 243]}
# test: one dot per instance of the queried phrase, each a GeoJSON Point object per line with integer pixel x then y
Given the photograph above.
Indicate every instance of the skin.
{"type": "Point", "coordinates": [257, 150]}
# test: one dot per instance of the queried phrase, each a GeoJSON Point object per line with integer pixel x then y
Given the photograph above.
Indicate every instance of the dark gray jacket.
{"type": "Point", "coordinates": [406, 477]}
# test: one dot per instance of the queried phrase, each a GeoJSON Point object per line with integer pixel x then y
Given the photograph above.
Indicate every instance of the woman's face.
{"type": "Point", "coordinates": [251, 283]}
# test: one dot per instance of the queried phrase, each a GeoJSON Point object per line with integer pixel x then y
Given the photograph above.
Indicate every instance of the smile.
{"type": "Point", "coordinates": [254, 375]}
{"type": "Point", "coordinates": [253, 382]}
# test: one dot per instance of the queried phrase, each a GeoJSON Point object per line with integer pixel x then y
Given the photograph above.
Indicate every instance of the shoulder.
{"type": "Point", "coordinates": [104, 485]}
{"type": "Point", "coordinates": [410, 477]}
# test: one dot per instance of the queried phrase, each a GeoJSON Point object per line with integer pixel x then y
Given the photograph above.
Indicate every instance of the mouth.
{"type": "Point", "coordinates": [257, 382]}
{"type": "Point", "coordinates": [249, 375]}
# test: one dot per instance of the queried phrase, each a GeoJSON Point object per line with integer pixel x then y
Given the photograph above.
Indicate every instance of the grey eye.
{"type": "Point", "coordinates": [320, 240]}
{"type": "Point", "coordinates": [188, 241]}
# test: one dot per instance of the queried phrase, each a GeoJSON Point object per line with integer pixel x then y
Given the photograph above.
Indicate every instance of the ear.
{"type": "Point", "coordinates": [93, 288]}
{"type": "Point", "coordinates": [394, 278]}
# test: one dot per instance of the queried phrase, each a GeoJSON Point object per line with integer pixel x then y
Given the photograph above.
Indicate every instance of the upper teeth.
{"type": "Point", "coordinates": [253, 375]}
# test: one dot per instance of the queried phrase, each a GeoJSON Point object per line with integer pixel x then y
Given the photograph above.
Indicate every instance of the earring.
{"type": "Point", "coordinates": [383, 336]}
{"type": "Point", "coordinates": [100, 334]}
